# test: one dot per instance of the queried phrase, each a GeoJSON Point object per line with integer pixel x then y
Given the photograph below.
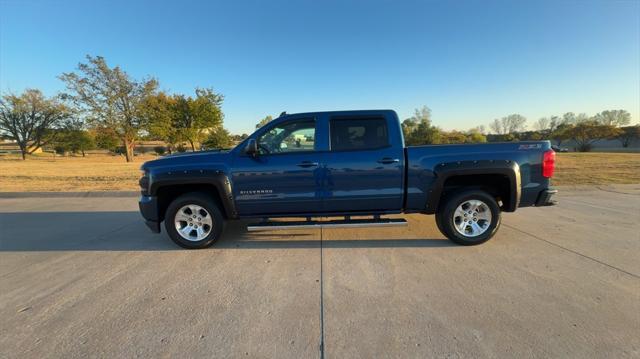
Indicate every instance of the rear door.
{"type": "Point", "coordinates": [364, 170]}
{"type": "Point", "coordinates": [282, 177]}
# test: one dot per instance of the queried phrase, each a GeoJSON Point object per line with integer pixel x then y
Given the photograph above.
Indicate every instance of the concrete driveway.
{"type": "Point", "coordinates": [83, 277]}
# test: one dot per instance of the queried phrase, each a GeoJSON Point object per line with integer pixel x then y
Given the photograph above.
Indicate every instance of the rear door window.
{"type": "Point", "coordinates": [358, 133]}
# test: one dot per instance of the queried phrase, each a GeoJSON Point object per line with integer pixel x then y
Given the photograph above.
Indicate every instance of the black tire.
{"type": "Point", "coordinates": [445, 217]}
{"type": "Point", "coordinates": [204, 201]}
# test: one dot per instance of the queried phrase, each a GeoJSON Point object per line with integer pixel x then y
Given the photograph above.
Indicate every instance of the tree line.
{"type": "Point", "coordinates": [419, 130]}
{"type": "Point", "coordinates": [105, 107]}
{"type": "Point", "coordinates": [582, 129]}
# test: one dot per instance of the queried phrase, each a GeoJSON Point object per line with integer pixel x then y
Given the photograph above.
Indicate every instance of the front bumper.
{"type": "Point", "coordinates": [545, 198]}
{"type": "Point", "coordinates": [149, 210]}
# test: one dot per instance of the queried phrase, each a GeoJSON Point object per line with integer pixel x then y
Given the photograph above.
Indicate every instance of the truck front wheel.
{"type": "Point", "coordinates": [193, 221]}
{"type": "Point", "coordinates": [470, 217]}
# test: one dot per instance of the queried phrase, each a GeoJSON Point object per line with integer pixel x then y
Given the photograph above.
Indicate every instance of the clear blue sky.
{"type": "Point", "coordinates": [469, 61]}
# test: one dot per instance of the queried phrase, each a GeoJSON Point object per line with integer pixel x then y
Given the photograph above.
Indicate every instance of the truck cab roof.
{"type": "Point", "coordinates": [339, 113]}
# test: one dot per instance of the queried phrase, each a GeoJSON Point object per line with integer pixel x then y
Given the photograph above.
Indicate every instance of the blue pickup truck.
{"type": "Point", "coordinates": [340, 165]}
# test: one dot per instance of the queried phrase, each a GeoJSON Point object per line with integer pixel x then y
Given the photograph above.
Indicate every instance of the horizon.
{"type": "Point", "coordinates": [469, 63]}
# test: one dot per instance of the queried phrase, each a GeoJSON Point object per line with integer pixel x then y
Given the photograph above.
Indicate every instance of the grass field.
{"type": "Point", "coordinates": [597, 168]}
{"type": "Point", "coordinates": [110, 173]}
{"type": "Point", "coordinates": [69, 174]}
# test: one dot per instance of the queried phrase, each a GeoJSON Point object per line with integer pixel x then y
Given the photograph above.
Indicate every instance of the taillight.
{"type": "Point", "coordinates": [548, 163]}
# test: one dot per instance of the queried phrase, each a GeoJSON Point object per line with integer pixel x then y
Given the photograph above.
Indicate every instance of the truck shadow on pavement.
{"type": "Point", "coordinates": [126, 231]}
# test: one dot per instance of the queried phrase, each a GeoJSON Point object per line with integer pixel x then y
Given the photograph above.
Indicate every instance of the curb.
{"type": "Point", "coordinates": [69, 194]}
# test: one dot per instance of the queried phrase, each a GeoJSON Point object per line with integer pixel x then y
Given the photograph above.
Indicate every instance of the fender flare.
{"type": "Point", "coordinates": [444, 171]}
{"type": "Point", "coordinates": [216, 178]}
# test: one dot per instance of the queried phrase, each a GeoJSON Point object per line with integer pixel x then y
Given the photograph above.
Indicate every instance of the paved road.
{"type": "Point", "coordinates": [82, 277]}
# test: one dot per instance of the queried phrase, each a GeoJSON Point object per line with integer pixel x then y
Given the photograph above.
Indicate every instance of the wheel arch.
{"type": "Point", "coordinates": [501, 178]}
{"type": "Point", "coordinates": [217, 186]}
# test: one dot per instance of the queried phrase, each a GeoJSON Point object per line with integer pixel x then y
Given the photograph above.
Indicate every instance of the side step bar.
{"type": "Point", "coordinates": [343, 223]}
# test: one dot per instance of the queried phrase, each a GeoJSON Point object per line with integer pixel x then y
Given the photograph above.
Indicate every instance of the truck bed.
{"type": "Point", "coordinates": [427, 164]}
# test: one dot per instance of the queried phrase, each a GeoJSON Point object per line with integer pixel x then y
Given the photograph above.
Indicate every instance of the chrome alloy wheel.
{"type": "Point", "coordinates": [472, 218]}
{"type": "Point", "coordinates": [193, 222]}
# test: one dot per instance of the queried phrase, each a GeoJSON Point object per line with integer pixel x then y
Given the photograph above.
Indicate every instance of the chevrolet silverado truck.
{"type": "Point", "coordinates": [325, 168]}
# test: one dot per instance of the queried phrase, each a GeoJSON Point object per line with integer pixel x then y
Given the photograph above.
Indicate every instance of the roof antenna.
{"type": "Point", "coordinates": [283, 113]}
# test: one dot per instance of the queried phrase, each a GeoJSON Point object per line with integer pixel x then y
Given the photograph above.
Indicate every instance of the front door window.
{"type": "Point", "coordinates": [298, 136]}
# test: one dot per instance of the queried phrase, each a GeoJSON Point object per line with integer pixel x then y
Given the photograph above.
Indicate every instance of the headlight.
{"type": "Point", "coordinates": [144, 182]}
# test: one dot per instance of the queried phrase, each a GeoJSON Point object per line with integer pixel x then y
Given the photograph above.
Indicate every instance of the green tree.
{"type": "Point", "coordinates": [74, 140]}
{"type": "Point", "coordinates": [615, 118]}
{"type": "Point", "coordinates": [408, 126]}
{"type": "Point", "coordinates": [109, 98]}
{"type": "Point", "coordinates": [179, 118]}
{"type": "Point", "coordinates": [422, 115]}
{"type": "Point", "coordinates": [452, 137]}
{"type": "Point", "coordinates": [476, 136]}
{"type": "Point", "coordinates": [628, 134]}
{"type": "Point", "coordinates": [264, 121]}
{"type": "Point", "coordinates": [239, 138]}
{"type": "Point", "coordinates": [531, 136]}
{"type": "Point", "coordinates": [424, 134]}
{"type": "Point", "coordinates": [479, 129]}
{"type": "Point", "coordinates": [586, 133]}
{"type": "Point", "coordinates": [196, 117]}
{"type": "Point", "coordinates": [418, 129]}
{"type": "Point", "coordinates": [159, 114]}
{"type": "Point", "coordinates": [159, 150]}
{"type": "Point", "coordinates": [79, 139]}
{"type": "Point", "coordinates": [560, 133]}
{"type": "Point", "coordinates": [30, 118]}
{"type": "Point", "coordinates": [106, 138]}
{"type": "Point", "coordinates": [218, 139]}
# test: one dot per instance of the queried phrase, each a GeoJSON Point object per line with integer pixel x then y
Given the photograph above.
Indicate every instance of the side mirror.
{"type": "Point", "coordinates": [251, 148]}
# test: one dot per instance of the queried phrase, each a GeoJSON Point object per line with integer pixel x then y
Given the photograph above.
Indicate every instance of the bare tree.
{"type": "Point", "coordinates": [542, 124]}
{"type": "Point", "coordinates": [516, 123]}
{"type": "Point", "coordinates": [569, 118]}
{"type": "Point", "coordinates": [109, 98]}
{"type": "Point", "coordinates": [509, 124]}
{"type": "Point", "coordinates": [554, 122]}
{"type": "Point", "coordinates": [479, 129]}
{"type": "Point", "coordinates": [422, 114]}
{"type": "Point", "coordinates": [496, 127]}
{"type": "Point", "coordinates": [615, 118]}
{"type": "Point", "coordinates": [29, 118]}
{"type": "Point", "coordinates": [582, 117]}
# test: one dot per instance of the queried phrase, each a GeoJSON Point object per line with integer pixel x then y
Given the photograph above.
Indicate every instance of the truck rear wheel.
{"type": "Point", "coordinates": [469, 218]}
{"type": "Point", "coordinates": [194, 221]}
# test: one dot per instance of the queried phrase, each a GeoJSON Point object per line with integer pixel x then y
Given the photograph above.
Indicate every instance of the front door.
{"type": "Point", "coordinates": [281, 179]}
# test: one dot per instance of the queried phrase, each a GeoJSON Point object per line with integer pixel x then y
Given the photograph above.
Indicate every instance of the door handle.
{"type": "Point", "coordinates": [388, 160]}
{"type": "Point", "coordinates": [307, 164]}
